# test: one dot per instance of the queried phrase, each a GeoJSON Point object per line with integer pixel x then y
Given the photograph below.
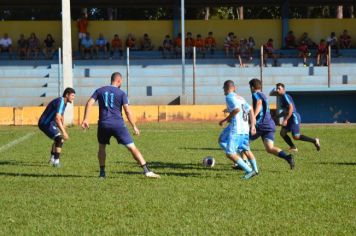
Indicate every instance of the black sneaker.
{"type": "Point", "coordinates": [290, 161]}
{"type": "Point", "coordinates": [102, 175]}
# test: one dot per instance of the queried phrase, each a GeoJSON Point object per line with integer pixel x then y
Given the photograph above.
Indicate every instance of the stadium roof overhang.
{"type": "Point", "coordinates": [150, 3]}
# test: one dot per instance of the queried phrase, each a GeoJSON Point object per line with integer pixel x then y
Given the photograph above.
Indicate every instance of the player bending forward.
{"type": "Point", "coordinates": [111, 100]}
{"type": "Point", "coordinates": [265, 126]}
{"type": "Point", "coordinates": [291, 121]}
{"type": "Point", "coordinates": [234, 139]}
{"type": "Point", "coordinates": [51, 123]}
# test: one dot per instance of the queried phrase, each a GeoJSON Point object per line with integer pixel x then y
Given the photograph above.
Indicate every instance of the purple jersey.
{"type": "Point", "coordinates": [264, 121]}
{"type": "Point", "coordinates": [287, 100]}
{"type": "Point", "coordinates": [110, 99]}
{"type": "Point", "coordinates": [55, 106]}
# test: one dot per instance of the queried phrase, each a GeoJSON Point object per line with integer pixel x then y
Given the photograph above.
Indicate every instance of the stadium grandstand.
{"type": "Point", "coordinates": [153, 78]}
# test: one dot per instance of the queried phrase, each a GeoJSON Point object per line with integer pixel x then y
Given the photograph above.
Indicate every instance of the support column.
{"type": "Point", "coordinates": [285, 20]}
{"type": "Point", "coordinates": [67, 57]}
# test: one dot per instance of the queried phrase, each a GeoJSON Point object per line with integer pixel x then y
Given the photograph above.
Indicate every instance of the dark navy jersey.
{"type": "Point", "coordinates": [263, 118]}
{"type": "Point", "coordinates": [110, 99]}
{"type": "Point", "coordinates": [286, 101]}
{"type": "Point", "coordinates": [55, 106]}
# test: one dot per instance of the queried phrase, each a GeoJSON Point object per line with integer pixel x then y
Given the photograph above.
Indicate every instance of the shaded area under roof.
{"type": "Point", "coordinates": [188, 3]}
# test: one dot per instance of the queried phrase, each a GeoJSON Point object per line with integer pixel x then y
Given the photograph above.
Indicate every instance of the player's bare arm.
{"type": "Point", "coordinates": [59, 122]}
{"type": "Point", "coordinates": [228, 118]}
{"type": "Point", "coordinates": [129, 116]}
{"type": "Point", "coordinates": [288, 115]}
{"type": "Point", "coordinates": [252, 118]}
{"type": "Point", "coordinates": [258, 108]}
{"type": "Point", "coordinates": [85, 123]}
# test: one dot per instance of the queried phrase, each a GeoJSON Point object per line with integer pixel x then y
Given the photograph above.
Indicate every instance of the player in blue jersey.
{"type": "Point", "coordinates": [51, 123]}
{"type": "Point", "coordinates": [111, 100]}
{"type": "Point", "coordinates": [265, 126]}
{"type": "Point", "coordinates": [234, 139]}
{"type": "Point", "coordinates": [291, 120]}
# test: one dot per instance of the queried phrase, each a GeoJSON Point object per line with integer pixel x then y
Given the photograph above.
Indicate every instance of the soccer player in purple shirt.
{"type": "Point", "coordinates": [51, 123]}
{"type": "Point", "coordinates": [291, 121]}
{"type": "Point", "coordinates": [111, 100]}
{"type": "Point", "coordinates": [265, 126]}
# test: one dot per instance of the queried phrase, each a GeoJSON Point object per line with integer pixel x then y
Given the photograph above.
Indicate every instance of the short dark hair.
{"type": "Point", "coordinates": [68, 90]}
{"type": "Point", "coordinates": [228, 83]}
{"type": "Point", "coordinates": [256, 83]}
{"type": "Point", "coordinates": [114, 75]}
{"type": "Point", "coordinates": [280, 84]}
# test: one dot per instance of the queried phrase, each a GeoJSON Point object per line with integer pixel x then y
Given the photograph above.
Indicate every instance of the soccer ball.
{"type": "Point", "coordinates": [208, 161]}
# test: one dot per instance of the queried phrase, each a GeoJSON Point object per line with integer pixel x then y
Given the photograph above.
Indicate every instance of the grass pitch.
{"type": "Point", "coordinates": [317, 198]}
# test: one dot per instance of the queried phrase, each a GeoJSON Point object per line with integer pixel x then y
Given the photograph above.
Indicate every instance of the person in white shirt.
{"type": "Point", "coordinates": [6, 44]}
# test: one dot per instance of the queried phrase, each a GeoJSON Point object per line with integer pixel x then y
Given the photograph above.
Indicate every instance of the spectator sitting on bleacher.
{"type": "Point", "coordinates": [236, 44]}
{"type": "Point", "coordinates": [229, 45]}
{"type": "Point", "coordinates": [345, 40]}
{"type": "Point", "coordinates": [332, 42]}
{"type": "Point", "coordinates": [178, 44]}
{"type": "Point", "coordinates": [34, 45]}
{"type": "Point", "coordinates": [167, 47]}
{"type": "Point", "coordinates": [250, 47]}
{"type": "Point", "coordinates": [146, 43]}
{"type": "Point", "coordinates": [269, 52]}
{"type": "Point", "coordinates": [200, 45]}
{"type": "Point", "coordinates": [87, 46]}
{"type": "Point", "coordinates": [22, 46]}
{"type": "Point", "coordinates": [304, 52]}
{"type": "Point", "coordinates": [6, 45]}
{"type": "Point", "coordinates": [210, 43]}
{"type": "Point", "coordinates": [290, 40]}
{"type": "Point", "coordinates": [322, 52]}
{"type": "Point", "coordinates": [48, 49]}
{"type": "Point", "coordinates": [189, 44]}
{"type": "Point", "coordinates": [116, 46]}
{"type": "Point", "coordinates": [131, 42]}
{"type": "Point", "coordinates": [305, 38]}
{"type": "Point", "coordinates": [82, 25]}
{"type": "Point", "coordinates": [101, 44]}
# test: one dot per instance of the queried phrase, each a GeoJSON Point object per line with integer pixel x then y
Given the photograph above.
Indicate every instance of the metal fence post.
{"type": "Point", "coordinates": [261, 67]}
{"type": "Point", "coordinates": [329, 65]}
{"type": "Point", "coordinates": [59, 70]}
{"type": "Point", "coordinates": [194, 74]}
{"type": "Point", "coordinates": [127, 70]}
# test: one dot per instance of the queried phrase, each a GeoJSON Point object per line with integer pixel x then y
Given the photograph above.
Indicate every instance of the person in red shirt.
{"type": "Point", "coordinates": [345, 40]}
{"type": "Point", "coordinates": [131, 42]}
{"type": "Point", "coordinates": [178, 44]}
{"type": "Point", "coordinates": [322, 52]}
{"type": "Point", "coordinates": [290, 40]}
{"type": "Point", "coordinates": [200, 45]}
{"type": "Point", "coordinates": [189, 44]}
{"type": "Point", "coordinates": [116, 46]}
{"type": "Point", "coordinates": [82, 25]}
{"type": "Point", "coordinates": [210, 43]}
{"type": "Point", "coordinates": [269, 52]}
{"type": "Point", "coordinates": [304, 52]}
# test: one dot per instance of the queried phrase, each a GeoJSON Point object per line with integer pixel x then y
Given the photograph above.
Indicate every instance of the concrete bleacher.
{"type": "Point", "coordinates": [158, 81]}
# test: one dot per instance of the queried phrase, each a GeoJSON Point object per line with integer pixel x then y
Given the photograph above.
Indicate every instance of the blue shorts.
{"type": "Point", "coordinates": [121, 134]}
{"type": "Point", "coordinates": [51, 129]}
{"type": "Point", "coordinates": [232, 143]}
{"type": "Point", "coordinates": [293, 124]}
{"type": "Point", "coordinates": [266, 135]}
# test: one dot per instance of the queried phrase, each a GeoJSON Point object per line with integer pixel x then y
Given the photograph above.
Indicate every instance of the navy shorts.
{"type": "Point", "coordinates": [266, 135]}
{"type": "Point", "coordinates": [121, 134]}
{"type": "Point", "coordinates": [293, 124]}
{"type": "Point", "coordinates": [51, 129]}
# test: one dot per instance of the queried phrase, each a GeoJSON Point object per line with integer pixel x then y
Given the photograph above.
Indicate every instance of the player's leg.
{"type": "Point", "coordinates": [58, 143]}
{"type": "Point", "coordinates": [295, 128]}
{"type": "Point", "coordinates": [287, 139]}
{"type": "Point", "coordinates": [102, 159]}
{"type": "Point", "coordinates": [244, 147]}
{"type": "Point", "coordinates": [270, 148]}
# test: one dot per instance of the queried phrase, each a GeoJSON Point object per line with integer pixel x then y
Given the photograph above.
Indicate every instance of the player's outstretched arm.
{"type": "Point", "coordinates": [85, 123]}
{"type": "Point", "coordinates": [228, 118]}
{"type": "Point", "coordinates": [128, 114]}
{"type": "Point", "coordinates": [60, 125]}
{"type": "Point", "coordinates": [252, 118]}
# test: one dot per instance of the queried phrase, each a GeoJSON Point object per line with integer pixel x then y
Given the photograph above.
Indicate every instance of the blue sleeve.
{"type": "Point", "coordinates": [288, 99]}
{"type": "Point", "coordinates": [256, 97]}
{"type": "Point", "coordinates": [232, 103]}
{"type": "Point", "coordinates": [95, 95]}
{"type": "Point", "coordinates": [60, 106]}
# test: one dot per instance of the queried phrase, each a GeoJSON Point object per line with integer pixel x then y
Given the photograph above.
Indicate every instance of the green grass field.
{"type": "Point", "coordinates": [317, 198]}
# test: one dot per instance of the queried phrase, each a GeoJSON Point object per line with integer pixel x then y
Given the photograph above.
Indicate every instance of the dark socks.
{"type": "Point", "coordinates": [306, 139]}
{"type": "Point", "coordinates": [145, 168]}
{"type": "Point", "coordinates": [102, 168]}
{"type": "Point", "coordinates": [56, 155]}
{"type": "Point", "coordinates": [282, 154]}
{"type": "Point", "coordinates": [288, 141]}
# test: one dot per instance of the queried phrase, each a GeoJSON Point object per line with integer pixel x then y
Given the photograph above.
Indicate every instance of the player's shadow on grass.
{"type": "Point", "coordinates": [201, 148]}
{"type": "Point", "coordinates": [21, 163]}
{"type": "Point", "coordinates": [179, 174]}
{"type": "Point", "coordinates": [338, 163]}
{"type": "Point", "coordinates": [186, 166]}
{"type": "Point", "coordinates": [43, 175]}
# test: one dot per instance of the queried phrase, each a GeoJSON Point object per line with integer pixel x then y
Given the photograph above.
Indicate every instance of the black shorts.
{"type": "Point", "coordinates": [121, 134]}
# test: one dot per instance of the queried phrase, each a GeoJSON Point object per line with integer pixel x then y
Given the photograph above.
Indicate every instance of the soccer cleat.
{"type": "Point", "coordinates": [51, 160]}
{"type": "Point", "coordinates": [151, 174]}
{"type": "Point", "coordinates": [249, 175]}
{"type": "Point", "coordinates": [290, 161]}
{"type": "Point", "coordinates": [293, 149]}
{"type": "Point", "coordinates": [102, 175]}
{"type": "Point", "coordinates": [56, 163]}
{"type": "Point", "coordinates": [317, 144]}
